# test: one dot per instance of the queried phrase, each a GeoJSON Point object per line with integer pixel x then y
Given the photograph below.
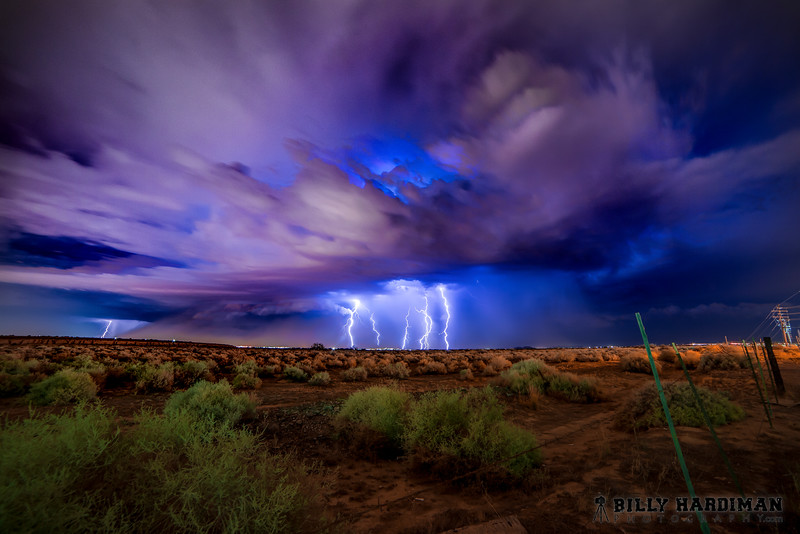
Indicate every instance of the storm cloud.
{"type": "Point", "coordinates": [243, 171]}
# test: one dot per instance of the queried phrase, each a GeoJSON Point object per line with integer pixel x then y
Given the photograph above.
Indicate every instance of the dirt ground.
{"type": "Point", "coordinates": [585, 456]}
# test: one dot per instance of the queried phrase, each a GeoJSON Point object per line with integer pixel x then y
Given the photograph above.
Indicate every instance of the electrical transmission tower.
{"type": "Point", "coordinates": [781, 316]}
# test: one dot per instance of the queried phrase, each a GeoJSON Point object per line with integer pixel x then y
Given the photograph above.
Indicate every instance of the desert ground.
{"type": "Point", "coordinates": [586, 452]}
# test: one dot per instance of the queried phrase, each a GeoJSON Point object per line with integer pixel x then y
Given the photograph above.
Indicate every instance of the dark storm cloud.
{"type": "Point", "coordinates": [222, 158]}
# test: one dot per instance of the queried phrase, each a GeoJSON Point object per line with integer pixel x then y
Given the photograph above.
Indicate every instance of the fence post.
{"type": "Point", "coordinates": [776, 371]}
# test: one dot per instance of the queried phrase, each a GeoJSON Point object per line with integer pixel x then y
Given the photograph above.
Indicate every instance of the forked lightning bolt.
{"type": "Point", "coordinates": [423, 341]}
{"type": "Point", "coordinates": [352, 320]}
{"type": "Point", "coordinates": [405, 334]}
{"type": "Point", "coordinates": [107, 327]}
{"type": "Point", "coordinates": [375, 329]}
{"type": "Point", "coordinates": [447, 322]}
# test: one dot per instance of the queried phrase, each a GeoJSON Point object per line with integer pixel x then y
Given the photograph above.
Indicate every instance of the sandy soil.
{"type": "Point", "coordinates": [585, 456]}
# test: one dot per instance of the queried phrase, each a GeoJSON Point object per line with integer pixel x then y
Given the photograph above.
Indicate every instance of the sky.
{"type": "Point", "coordinates": [434, 174]}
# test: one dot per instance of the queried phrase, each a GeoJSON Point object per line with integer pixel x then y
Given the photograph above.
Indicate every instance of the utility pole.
{"type": "Point", "coordinates": [781, 316]}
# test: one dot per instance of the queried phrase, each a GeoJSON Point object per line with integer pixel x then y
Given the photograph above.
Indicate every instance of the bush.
{"type": "Point", "coordinates": [214, 402]}
{"type": "Point", "coordinates": [356, 374]}
{"type": "Point", "coordinates": [529, 378]}
{"type": "Point", "coordinates": [433, 368]}
{"type": "Point", "coordinates": [644, 410]}
{"type": "Point", "coordinates": [397, 370]}
{"type": "Point", "coordinates": [320, 379]}
{"type": "Point", "coordinates": [721, 360]}
{"type": "Point", "coordinates": [150, 377]}
{"type": "Point", "coordinates": [469, 426]}
{"type": "Point", "coordinates": [691, 359]}
{"type": "Point", "coordinates": [64, 387]}
{"type": "Point", "coordinates": [44, 461]}
{"type": "Point", "coordinates": [637, 364]}
{"type": "Point", "coordinates": [295, 373]}
{"type": "Point", "coordinates": [191, 371]}
{"type": "Point", "coordinates": [666, 355]}
{"type": "Point", "coordinates": [244, 381]}
{"type": "Point", "coordinates": [77, 473]}
{"type": "Point", "coordinates": [379, 408]}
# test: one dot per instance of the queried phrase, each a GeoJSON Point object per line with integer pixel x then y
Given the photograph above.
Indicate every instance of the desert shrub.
{"type": "Point", "coordinates": [644, 410]}
{"type": "Point", "coordinates": [573, 388]}
{"type": "Point", "coordinates": [469, 426]}
{"type": "Point", "coordinates": [666, 355]}
{"type": "Point", "coordinates": [191, 371]}
{"type": "Point", "coordinates": [208, 401]}
{"type": "Point", "coordinates": [379, 408]}
{"type": "Point", "coordinates": [721, 360]}
{"type": "Point", "coordinates": [356, 374]}
{"type": "Point", "coordinates": [529, 378]}
{"type": "Point", "coordinates": [246, 375]}
{"type": "Point", "coordinates": [152, 377]}
{"type": "Point", "coordinates": [44, 459]}
{"type": "Point", "coordinates": [636, 364]}
{"type": "Point", "coordinates": [64, 387]}
{"type": "Point", "coordinates": [76, 473]}
{"type": "Point", "coordinates": [397, 370]}
{"type": "Point", "coordinates": [498, 363]}
{"type": "Point", "coordinates": [295, 373]}
{"type": "Point", "coordinates": [465, 374]}
{"type": "Point", "coordinates": [691, 358]}
{"type": "Point", "coordinates": [320, 379]}
{"type": "Point", "coordinates": [433, 368]}
{"type": "Point", "coordinates": [245, 381]}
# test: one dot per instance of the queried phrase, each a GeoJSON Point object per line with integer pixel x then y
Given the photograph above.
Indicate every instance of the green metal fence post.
{"type": "Point", "coordinates": [668, 416]}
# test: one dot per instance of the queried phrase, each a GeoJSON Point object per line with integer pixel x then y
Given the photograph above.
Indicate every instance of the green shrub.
{"type": "Point", "coordinates": [644, 410]}
{"type": "Point", "coordinates": [76, 473]}
{"type": "Point", "coordinates": [214, 402]}
{"type": "Point", "coordinates": [243, 381]}
{"type": "Point", "coordinates": [43, 463]}
{"type": "Point", "coordinates": [320, 379]}
{"type": "Point", "coordinates": [527, 376]}
{"type": "Point", "coordinates": [356, 374]}
{"type": "Point", "coordinates": [190, 372]}
{"type": "Point", "coordinates": [378, 408]}
{"type": "Point", "coordinates": [150, 377]}
{"type": "Point", "coordinates": [64, 387]}
{"type": "Point", "coordinates": [721, 360]}
{"type": "Point", "coordinates": [469, 426]}
{"type": "Point", "coordinates": [295, 373]}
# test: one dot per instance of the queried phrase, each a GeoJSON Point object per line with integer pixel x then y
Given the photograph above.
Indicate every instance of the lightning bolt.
{"type": "Point", "coordinates": [405, 334]}
{"type": "Point", "coordinates": [351, 320]}
{"type": "Point", "coordinates": [374, 329]}
{"type": "Point", "coordinates": [447, 322]}
{"type": "Point", "coordinates": [107, 327]}
{"type": "Point", "coordinates": [423, 341]}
